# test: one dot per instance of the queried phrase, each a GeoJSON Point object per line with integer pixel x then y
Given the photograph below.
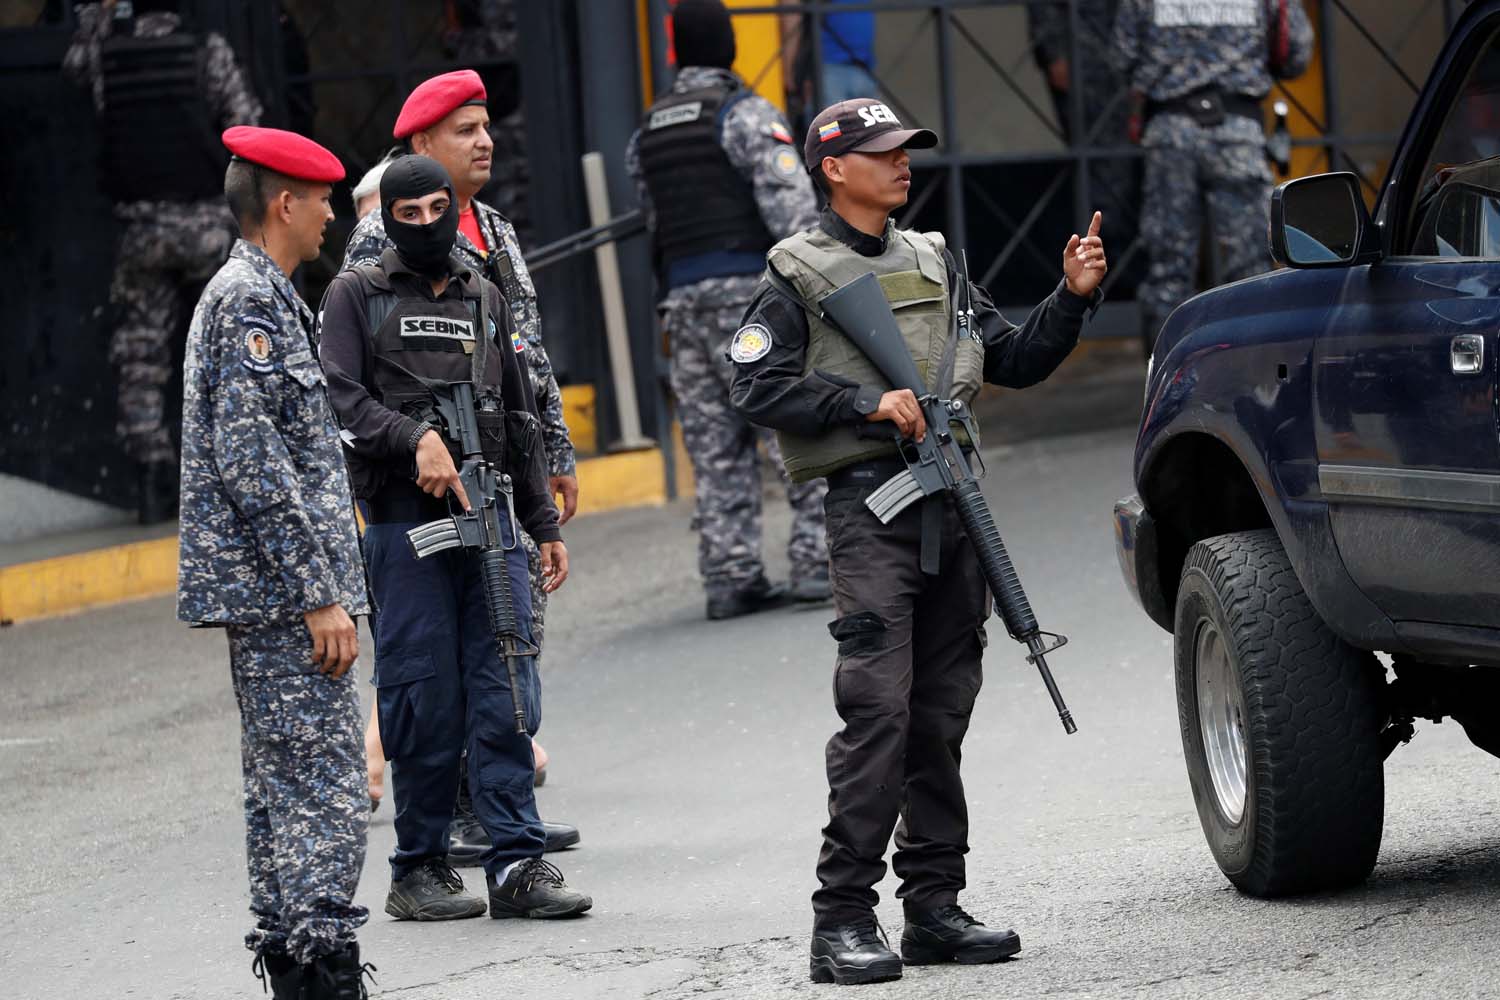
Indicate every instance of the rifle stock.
{"type": "Point", "coordinates": [937, 464]}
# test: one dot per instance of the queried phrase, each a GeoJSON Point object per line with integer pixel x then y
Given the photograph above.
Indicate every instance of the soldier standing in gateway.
{"type": "Point", "coordinates": [1198, 70]}
{"type": "Point", "coordinates": [445, 118]}
{"type": "Point", "coordinates": [269, 554]}
{"type": "Point", "coordinates": [720, 182]}
{"type": "Point", "coordinates": [163, 95]}
{"type": "Point", "coordinates": [911, 600]}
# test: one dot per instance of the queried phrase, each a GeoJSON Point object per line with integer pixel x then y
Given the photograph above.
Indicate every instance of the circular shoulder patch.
{"type": "Point", "coordinates": [784, 163]}
{"type": "Point", "coordinates": [751, 343]}
{"type": "Point", "coordinates": [258, 351]}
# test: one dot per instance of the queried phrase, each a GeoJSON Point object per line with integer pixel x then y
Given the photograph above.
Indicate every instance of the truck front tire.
{"type": "Point", "coordinates": [1280, 723]}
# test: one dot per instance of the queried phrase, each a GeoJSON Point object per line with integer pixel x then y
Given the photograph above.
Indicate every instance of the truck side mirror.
{"type": "Point", "coordinates": [1319, 221]}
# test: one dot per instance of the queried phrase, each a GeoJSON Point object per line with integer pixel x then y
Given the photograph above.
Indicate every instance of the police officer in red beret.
{"type": "Point", "coordinates": [445, 118]}
{"type": "Point", "coordinates": [268, 552]}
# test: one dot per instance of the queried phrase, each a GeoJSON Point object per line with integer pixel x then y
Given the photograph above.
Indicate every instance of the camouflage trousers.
{"type": "Point", "coordinates": [1196, 175]}
{"type": "Point", "coordinates": [167, 249]}
{"type": "Point", "coordinates": [538, 595]}
{"type": "Point", "coordinates": [307, 807]}
{"type": "Point", "coordinates": [701, 320]}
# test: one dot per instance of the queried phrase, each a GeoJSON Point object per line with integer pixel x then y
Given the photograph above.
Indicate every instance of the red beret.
{"type": "Point", "coordinates": [436, 99]}
{"type": "Point", "coordinates": [284, 152]}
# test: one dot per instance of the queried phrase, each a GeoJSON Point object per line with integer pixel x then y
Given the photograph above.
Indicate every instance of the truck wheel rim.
{"type": "Point", "coordinates": [1221, 718]}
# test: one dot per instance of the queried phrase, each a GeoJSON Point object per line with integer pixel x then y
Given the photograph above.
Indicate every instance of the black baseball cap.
{"type": "Point", "coordinates": [862, 125]}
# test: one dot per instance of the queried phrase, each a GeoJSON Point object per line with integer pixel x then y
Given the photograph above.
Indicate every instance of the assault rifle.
{"type": "Point", "coordinates": [937, 464]}
{"type": "Point", "coordinates": [489, 527]}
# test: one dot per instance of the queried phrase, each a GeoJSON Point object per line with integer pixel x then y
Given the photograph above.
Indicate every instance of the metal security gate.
{"type": "Point", "coordinates": [1014, 208]}
{"type": "Point", "coordinates": [339, 69]}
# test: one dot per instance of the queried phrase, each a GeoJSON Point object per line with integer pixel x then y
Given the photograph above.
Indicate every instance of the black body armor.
{"type": "Point", "coordinates": [158, 134]}
{"type": "Point", "coordinates": [707, 222]}
{"type": "Point", "coordinates": [416, 341]}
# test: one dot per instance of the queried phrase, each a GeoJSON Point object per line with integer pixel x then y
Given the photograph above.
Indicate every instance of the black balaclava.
{"type": "Point", "coordinates": [424, 249]}
{"type": "Point", "coordinates": [702, 34]}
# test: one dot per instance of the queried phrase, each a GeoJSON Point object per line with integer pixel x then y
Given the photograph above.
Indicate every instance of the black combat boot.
{"type": "Point", "coordinates": [468, 841]}
{"type": "Point", "coordinates": [277, 967]}
{"type": "Point", "coordinates": [948, 934]}
{"type": "Point", "coordinates": [158, 492]}
{"type": "Point", "coordinates": [535, 888]}
{"type": "Point", "coordinates": [812, 586]}
{"type": "Point", "coordinates": [339, 976]}
{"type": "Point", "coordinates": [758, 594]}
{"type": "Point", "coordinates": [853, 953]}
{"type": "Point", "coordinates": [432, 892]}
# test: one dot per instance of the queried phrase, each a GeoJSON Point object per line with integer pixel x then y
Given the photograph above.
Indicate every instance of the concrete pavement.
{"type": "Point", "coordinates": [690, 754]}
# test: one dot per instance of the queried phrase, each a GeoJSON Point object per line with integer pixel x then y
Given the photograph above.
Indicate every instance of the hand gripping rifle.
{"type": "Point", "coordinates": [490, 527]}
{"type": "Point", "coordinates": [937, 464]}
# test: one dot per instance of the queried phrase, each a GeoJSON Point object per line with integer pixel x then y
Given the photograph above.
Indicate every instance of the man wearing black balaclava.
{"type": "Point", "coordinates": [387, 332]}
{"type": "Point", "coordinates": [721, 181]}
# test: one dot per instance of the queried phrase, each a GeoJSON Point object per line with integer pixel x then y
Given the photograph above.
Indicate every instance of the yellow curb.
{"type": "Point", "coordinates": [88, 579]}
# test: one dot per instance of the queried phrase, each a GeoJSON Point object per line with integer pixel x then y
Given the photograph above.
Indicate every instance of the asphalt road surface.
{"type": "Point", "coordinates": [690, 754]}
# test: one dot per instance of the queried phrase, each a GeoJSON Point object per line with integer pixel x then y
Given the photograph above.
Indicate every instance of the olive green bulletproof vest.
{"type": "Point", "coordinates": [915, 282]}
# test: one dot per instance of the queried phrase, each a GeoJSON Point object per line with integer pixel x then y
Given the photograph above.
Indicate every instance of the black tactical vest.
{"type": "Point", "coordinates": [415, 338]}
{"type": "Point", "coordinates": [707, 222]}
{"type": "Point", "coordinates": [158, 138]}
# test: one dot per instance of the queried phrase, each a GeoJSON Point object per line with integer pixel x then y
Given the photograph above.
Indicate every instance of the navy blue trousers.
{"type": "Point", "coordinates": [441, 688]}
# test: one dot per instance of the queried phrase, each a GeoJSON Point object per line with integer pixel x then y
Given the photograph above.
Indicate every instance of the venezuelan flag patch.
{"type": "Point", "coordinates": [829, 131]}
{"type": "Point", "coordinates": [779, 133]}
{"type": "Point", "coordinates": [517, 342]}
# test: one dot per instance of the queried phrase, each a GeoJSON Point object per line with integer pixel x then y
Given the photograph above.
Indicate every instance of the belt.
{"type": "Point", "coordinates": [869, 474]}
{"type": "Point", "coordinates": [397, 506]}
{"type": "Point", "coordinates": [1206, 102]}
{"type": "Point", "coordinates": [873, 474]}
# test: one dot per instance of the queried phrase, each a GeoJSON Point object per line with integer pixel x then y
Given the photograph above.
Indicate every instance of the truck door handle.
{"type": "Point", "coordinates": [1466, 354]}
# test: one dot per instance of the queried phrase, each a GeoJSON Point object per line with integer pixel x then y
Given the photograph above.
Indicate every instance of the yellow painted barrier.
{"type": "Point", "coordinates": [581, 415]}
{"type": "Point", "coordinates": [88, 579]}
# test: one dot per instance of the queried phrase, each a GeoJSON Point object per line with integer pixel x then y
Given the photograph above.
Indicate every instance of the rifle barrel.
{"type": "Point", "coordinates": [1005, 585]}
{"type": "Point", "coordinates": [500, 603]}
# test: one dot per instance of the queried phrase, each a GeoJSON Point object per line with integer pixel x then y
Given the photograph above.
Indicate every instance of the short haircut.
{"type": "Point", "coordinates": [249, 188]}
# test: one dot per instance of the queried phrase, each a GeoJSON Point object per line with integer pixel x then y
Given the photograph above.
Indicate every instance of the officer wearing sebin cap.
{"type": "Point", "coordinates": [268, 552]}
{"type": "Point", "coordinates": [909, 595]}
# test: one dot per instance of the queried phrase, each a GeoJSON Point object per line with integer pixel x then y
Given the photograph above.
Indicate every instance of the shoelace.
{"type": "Point", "coordinates": [258, 969]}
{"type": "Point", "coordinates": [869, 932]}
{"type": "Point", "coordinates": [956, 912]}
{"type": "Point", "coordinates": [535, 870]}
{"type": "Point", "coordinates": [445, 875]}
{"type": "Point", "coordinates": [329, 979]}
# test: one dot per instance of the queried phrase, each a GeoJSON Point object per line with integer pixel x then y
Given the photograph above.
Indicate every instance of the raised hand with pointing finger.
{"type": "Point", "coordinates": [1084, 264]}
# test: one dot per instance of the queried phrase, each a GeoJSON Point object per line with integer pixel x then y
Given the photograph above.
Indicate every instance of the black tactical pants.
{"type": "Point", "coordinates": [907, 674]}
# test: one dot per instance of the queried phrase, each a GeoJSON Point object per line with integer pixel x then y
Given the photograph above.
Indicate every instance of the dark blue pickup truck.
{"type": "Point", "coordinates": [1318, 476]}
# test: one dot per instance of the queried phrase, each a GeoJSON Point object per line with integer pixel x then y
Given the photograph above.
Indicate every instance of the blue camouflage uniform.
{"type": "Point", "coordinates": [267, 534]}
{"type": "Point", "coordinates": [700, 318]}
{"type": "Point", "coordinates": [1171, 50]}
{"type": "Point", "coordinates": [508, 271]}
